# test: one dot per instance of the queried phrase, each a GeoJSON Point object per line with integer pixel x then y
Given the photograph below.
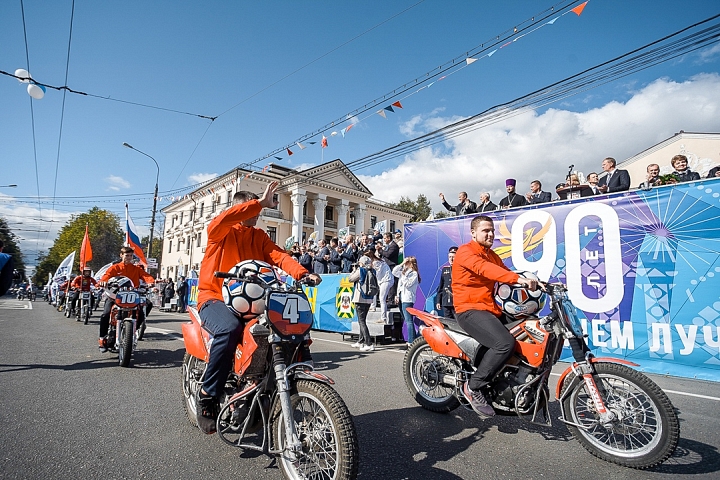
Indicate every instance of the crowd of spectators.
{"type": "Point", "coordinates": [613, 180]}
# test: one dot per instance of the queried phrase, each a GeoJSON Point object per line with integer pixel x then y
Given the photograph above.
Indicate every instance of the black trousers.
{"type": "Point", "coordinates": [490, 332]}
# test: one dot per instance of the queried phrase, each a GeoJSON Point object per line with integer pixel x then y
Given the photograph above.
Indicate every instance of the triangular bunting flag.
{"type": "Point", "coordinates": [324, 142]}
{"type": "Point", "coordinates": [396, 104]}
{"type": "Point", "coordinates": [300, 145]}
{"type": "Point", "coordinates": [289, 152]}
{"type": "Point", "coordinates": [492, 53]}
{"type": "Point", "coordinates": [312, 143]}
{"type": "Point", "coordinates": [470, 60]}
{"type": "Point", "coordinates": [382, 113]}
{"type": "Point", "coordinates": [343, 132]}
{"type": "Point", "coordinates": [552, 21]}
{"type": "Point", "coordinates": [389, 109]}
{"type": "Point", "coordinates": [579, 9]}
{"type": "Point", "coordinates": [279, 158]}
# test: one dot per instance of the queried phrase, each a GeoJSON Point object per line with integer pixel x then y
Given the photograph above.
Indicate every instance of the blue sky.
{"type": "Point", "coordinates": [294, 66]}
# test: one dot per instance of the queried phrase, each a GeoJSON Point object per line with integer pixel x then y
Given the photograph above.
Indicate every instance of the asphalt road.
{"type": "Point", "coordinates": [68, 411]}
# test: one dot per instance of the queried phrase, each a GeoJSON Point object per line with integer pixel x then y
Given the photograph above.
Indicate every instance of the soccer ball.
{"type": "Point", "coordinates": [244, 298]}
{"type": "Point", "coordinates": [518, 301]}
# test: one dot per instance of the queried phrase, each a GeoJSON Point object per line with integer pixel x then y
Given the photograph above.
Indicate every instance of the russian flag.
{"type": "Point", "coordinates": [131, 237]}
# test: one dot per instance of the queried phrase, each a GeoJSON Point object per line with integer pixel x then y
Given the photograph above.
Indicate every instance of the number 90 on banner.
{"type": "Point", "coordinates": [290, 313]}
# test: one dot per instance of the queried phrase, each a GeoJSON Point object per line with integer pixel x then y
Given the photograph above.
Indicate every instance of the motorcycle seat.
{"type": "Point", "coordinates": [453, 325]}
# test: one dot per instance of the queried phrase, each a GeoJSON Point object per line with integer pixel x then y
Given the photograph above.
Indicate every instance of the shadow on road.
{"type": "Point", "coordinates": [691, 457]}
{"type": "Point", "coordinates": [141, 358]}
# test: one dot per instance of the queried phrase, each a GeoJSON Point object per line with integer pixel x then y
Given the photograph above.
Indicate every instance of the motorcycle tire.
{"type": "Point", "coordinates": [191, 386]}
{"type": "Point", "coordinates": [326, 429]}
{"type": "Point", "coordinates": [126, 343]}
{"type": "Point", "coordinates": [647, 429]}
{"type": "Point", "coordinates": [424, 370]}
{"type": "Point", "coordinates": [67, 312]}
{"type": "Point", "coordinates": [86, 313]}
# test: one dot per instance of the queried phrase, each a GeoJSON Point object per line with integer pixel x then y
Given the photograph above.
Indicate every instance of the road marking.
{"type": "Point", "coordinates": [15, 305]}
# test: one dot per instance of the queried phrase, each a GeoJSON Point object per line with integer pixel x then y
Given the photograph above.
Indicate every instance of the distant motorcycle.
{"type": "Point", "coordinates": [616, 413]}
{"type": "Point", "coordinates": [21, 294]}
{"type": "Point", "coordinates": [83, 307]}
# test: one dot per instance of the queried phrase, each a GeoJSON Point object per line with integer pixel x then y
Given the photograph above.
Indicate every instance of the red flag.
{"type": "Point", "coordinates": [579, 9]}
{"type": "Point", "coordinates": [289, 152]}
{"type": "Point", "coordinates": [85, 250]}
{"type": "Point", "coordinates": [397, 104]}
{"type": "Point", "coordinates": [324, 142]}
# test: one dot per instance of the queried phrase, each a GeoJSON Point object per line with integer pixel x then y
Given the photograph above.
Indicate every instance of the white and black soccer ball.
{"type": "Point", "coordinates": [519, 301]}
{"type": "Point", "coordinates": [245, 298]}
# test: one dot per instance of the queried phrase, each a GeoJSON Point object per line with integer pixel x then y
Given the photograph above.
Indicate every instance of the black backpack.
{"type": "Point", "coordinates": [369, 287]}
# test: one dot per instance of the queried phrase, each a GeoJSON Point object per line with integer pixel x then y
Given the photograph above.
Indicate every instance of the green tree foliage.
{"type": "Point", "coordinates": [157, 245]}
{"type": "Point", "coordinates": [442, 214]}
{"type": "Point", "coordinates": [420, 208]}
{"type": "Point", "coordinates": [9, 239]}
{"type": "Point", "coordinates": [106, 239]}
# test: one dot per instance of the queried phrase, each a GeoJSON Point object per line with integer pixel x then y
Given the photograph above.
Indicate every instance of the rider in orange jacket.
{"type": "Point", "coordinates": [81, 283]}
{"type": "Point", "coordinates": [232, 238]}
{"type": "Point", "coordinates": [125, 268]}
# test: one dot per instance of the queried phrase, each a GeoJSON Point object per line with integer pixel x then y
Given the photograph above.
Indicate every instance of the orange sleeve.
{"type": "Point", "coordinates": [279, 257]}
{"type": "Point", "coordinates": [484, 268]}
{"type": "Point", "coordinates": [110, 272]}
{"type": "Point", "coordinates": [76, 281]}
{"type": "Point", "coordinates": [223, 223]}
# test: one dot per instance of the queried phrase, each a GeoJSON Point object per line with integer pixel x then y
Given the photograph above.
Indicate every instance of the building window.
{"type": "Point", "coordinates": [352, 218]}
{"type": "Point", "coordinates": [272, 233]}
{"type": "Point", "coordinates": [178, 245]}
{"type": "Point", "coordinates": [192, 214]}
{"type": "Point", "coordinates": [199, 239]}
{"type": "Point", "coordinates": [188, 243]}
{"type": "Point", "coordinates": [329, 210]}
{"type": "Point", "coordinates": [202, 209]}
{"type": "Point", "coordinates": [170, 249]}
{"type": "Point", "coordinates": [305, 208]}
{"type": "Point", "coordinates": [276, 199]}
{"type": "Point", "coordinates": [181, 217]}
{"type": "Point", "coordinates": [392, 226]}
{"type": "Point", "coordinates": [373, 221]}
{"type": "Point", "coordinates": [229, 199]}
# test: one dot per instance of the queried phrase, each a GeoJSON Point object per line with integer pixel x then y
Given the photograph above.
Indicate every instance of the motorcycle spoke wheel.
{"type": "Point", "coordinates": [192, 369]}
{"type": "Point", "coordinates": [325, 428]}
{"type": "Point", "coordinates": [645, 431]}
{"type": "Point", "coordinates": [424, 371]}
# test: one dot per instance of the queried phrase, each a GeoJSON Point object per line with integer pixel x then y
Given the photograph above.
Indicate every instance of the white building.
{"type": "Point", "coordinates": [328, 199]}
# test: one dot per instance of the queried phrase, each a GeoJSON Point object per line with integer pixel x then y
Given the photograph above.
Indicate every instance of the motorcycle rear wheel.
{"type": "Point", "coordinates": [647, 429]}
{"type": "Point", "coordinates": [126, 343]}
{"type": "Point", "coordinates": [86, 313]}
{"type": "Point", "coordinates": [326, 430]}
{"type": "Point", "coordinates": [423, 369]}
{"type": "Point", "coordinates": [190, 386]}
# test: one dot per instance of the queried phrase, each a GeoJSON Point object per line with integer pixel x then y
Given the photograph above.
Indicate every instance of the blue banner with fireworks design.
{"type": "Point", "coordinates": [643, 268]}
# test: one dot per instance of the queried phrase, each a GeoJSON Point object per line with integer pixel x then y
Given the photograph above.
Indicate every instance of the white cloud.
{"type": "Point", "coordinates": [708, 55]}
{"type": "Point", "coordinates": [541, 146]}
{"type": "Point", "coordinates": [201, 177]}
{"type": "Point", "coordinates": [115, 183]}
{"type": "Point", "coordinates": [305, 166]}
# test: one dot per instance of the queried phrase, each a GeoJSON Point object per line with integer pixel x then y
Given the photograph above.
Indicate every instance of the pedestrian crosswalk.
{"type": "Point", "coordinates": [14, 304]}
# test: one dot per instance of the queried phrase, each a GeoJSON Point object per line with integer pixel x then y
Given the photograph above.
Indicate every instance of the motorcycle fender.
{"type": "Point", "coordinates": [561, 380]}
{"type": "Point", "coordinates": [244, 351]}
{"type": "Point", "coordinates": [193, 338]}
{"type": "Point", "coordinates": [436, 336]}
{"type": "Point", "coordinates": [317, 377]}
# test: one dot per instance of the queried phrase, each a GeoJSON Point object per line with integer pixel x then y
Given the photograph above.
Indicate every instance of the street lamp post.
{"type": "Point", "coordinates": [157, 178]}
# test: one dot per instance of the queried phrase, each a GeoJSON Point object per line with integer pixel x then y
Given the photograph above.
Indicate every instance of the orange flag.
{"type": "Point", "coordinates": [579, 9]}
{"type": "Point", "coordinates": [85, 250]}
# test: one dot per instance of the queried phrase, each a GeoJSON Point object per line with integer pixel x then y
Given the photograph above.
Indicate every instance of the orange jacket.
{"type": "Point", "coordinates": [229, 243]}
{"type": "Point", "coordinates": [83, 286]}
{"type": "Point", "coordinates": [474, 273]}
{"type": "Point", "coordinates": [133, 272]}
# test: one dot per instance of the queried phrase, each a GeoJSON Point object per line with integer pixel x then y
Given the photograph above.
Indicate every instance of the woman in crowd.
{"type": "Point", "coordinates": [682, 172]}
{"type": "Point", "coordinates": [362, 305]}
{"type": "Point", "coordinates": [408, 281]}
{"type": "Point", "coordinates": [385, 281]}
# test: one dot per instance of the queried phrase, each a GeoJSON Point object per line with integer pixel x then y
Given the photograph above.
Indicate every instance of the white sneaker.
{"type": "Point", "coordinates": [367, 348]}
{"type": "Point", "coordinates": [356, 345]}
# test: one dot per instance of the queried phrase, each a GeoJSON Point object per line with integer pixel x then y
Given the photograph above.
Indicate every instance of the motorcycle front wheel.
{"type": "Point", "coordinates": [192, 369]}
{"type": "Point", "coordinates": [324, 427]}
{"type": "Point", "coordinates": [646, 429]}
{"type": "Point", "coordinates": [86, 313]}
{"type": "Point", "coordinates": [425, 371]}
{"type": "Point", "coordinates": [126, 342]}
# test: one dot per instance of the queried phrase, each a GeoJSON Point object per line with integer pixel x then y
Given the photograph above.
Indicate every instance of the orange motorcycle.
{"type": "Point", "coordinates": [615, 412]}
{"type": "Point", "coordinates": [273, 401]}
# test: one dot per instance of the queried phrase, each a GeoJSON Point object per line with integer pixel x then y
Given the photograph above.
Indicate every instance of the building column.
{"type": "Point", "coordinates": [319, 204]}
{"type": "Point", "coordinates": [298, 200]}
{"type": "Point", "coordinates": [342, 209]}
{"type": "Point", "coordinates": [359, 219]}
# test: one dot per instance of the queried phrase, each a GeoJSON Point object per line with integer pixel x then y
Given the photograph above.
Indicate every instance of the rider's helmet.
{"type": "Point", "coordinates": [518, 301]}
{"type": "Point", "coordinates": [88, 270]}
{"type": "Point", "coordinates": [115, 284]}
{"type": "Point", "coordinates": [246, 298]}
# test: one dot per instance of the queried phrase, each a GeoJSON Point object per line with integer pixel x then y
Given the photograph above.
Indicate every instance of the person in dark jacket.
{"type": "Point", "coordinates": [388, 250]}
{"type": "Point", "coordinates": [615, 180]}
{"type": "Point", "coordinates": [169, 292]}
{"type": "Point", "coordinates": [350, 254]}
{"type": "Point", "coordinates": [305, 259]}
{"type": "Point", "coordinates": [335, 261]}
{"type": "Point", "coordinates": [536, 195]}
{"type": "Point", "coordinates": [181, 293]}
{"type": "Point", "coordinates": [465, 207]}
{"type": "Point", "coordinates": [512, 199]}
{"type": "Point", "coordinates": [444, 296]}
{"type": "Point", "coordinates": [682, 172]}
{"type": "Point", "coordinates": [320, 265]}
{"type": "Point", "coordinates": [485, 204]}
{"type": "Point", "coordinates": [713, 173]}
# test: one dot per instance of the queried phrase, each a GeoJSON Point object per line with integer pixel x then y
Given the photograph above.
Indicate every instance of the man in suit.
{"type": "Point", "coordinates": [615, 180]}
{"type": "Point", "coordinates": [306, 258]}
{"type": "Point", "coordinates": [465, 207]}
{"type": "Point", "coordinates": [652, 179]}
{"type": "Point", "coordinates": [512, 199]}
{"type": "Point", "coordinates": [322, 257]}
{"type": "Point", "coordinates": [592, 180]}
{"type": "Point", "coordinates": [485, 204]}
{"type": "Point", "coordinates": [536, 195]}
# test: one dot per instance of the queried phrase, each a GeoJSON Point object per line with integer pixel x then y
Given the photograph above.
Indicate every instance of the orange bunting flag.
{"type": "Point", "coordinates": [265, 168]}
{"type": "Point", "coordinates": [324, 142]}
{"type": "Point", "coordinates": [579, 9]}
{"type": "Point", "coordinates": [289, 152]}
{"type": "Point", "coordinates": [85, 250]}
{"type": "Point", "coordinates": [396, 104]}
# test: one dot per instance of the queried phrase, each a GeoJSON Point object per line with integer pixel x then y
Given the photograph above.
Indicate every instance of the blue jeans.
{"type": "Point", "coordinates": [409, 324]}
{"type": "Point", "coordinates": [226, 329]}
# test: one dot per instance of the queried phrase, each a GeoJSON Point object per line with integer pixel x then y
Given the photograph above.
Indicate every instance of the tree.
{"type": "Point", "coordinates": [157, 246]}
{"type": "Point", "coordinates": [419, 209]}
{"type": "Point", "coordinates": [106, 238]}
{"type": "Point", "coordinates": [11, 247]}
{"type": "Point", "coordinates": [442, 214]}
